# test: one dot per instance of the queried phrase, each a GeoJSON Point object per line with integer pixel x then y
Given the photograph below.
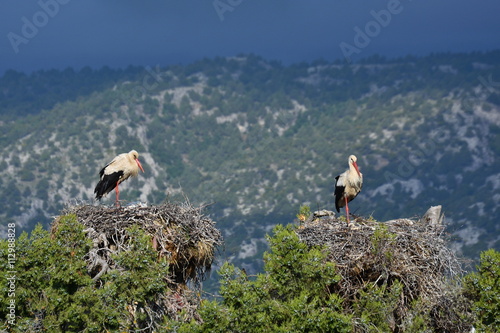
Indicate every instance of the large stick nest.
{"type": "Point", "coordinates": [181, 234]}
{"type": "Point", "coordinates": [413, 252]}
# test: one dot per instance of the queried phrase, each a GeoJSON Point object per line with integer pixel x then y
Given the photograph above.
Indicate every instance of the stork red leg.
{"type": "Point", "coordinates": [117, 195]}
{"type": "Point", "coordinates": [347, 211]}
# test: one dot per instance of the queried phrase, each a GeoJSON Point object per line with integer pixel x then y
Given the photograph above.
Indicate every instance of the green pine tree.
{"type": "Point", "coordinates": [292, 295]}
{"type": "Point", "coordinates": [483, 288]}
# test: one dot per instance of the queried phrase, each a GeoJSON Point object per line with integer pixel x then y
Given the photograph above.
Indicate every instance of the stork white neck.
{"type": "Point", "coordinates": [353, 166]}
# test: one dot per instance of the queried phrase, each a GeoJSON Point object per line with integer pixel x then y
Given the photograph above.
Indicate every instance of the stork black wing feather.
{"type": "Point", "coordinates": [107, 183]}
{"type": "Point", "coordinates": [339, 191]}
{"type": "Point", "coordinates": [101, 173]}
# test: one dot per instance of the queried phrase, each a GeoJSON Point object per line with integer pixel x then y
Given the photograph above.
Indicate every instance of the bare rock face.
{"type": "Point", "coordinates": [433, 216]}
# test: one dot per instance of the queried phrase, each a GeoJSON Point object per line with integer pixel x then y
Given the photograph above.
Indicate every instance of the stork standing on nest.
{"type": "Point", "coordinates": [117, 171]}
{"type": "Point", "coordinates": [348, 185]}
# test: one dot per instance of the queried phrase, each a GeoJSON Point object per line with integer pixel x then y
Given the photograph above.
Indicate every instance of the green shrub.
{"type": "Point", "coordinates": [291, 296]}
{"type": "Point", "coordinates": [483, 287]}
{"type": "Point", "coordinates": [55, 293]}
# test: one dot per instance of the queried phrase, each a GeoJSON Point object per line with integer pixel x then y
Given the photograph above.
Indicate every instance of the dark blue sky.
{"type": "Point", "coordinates": [45, 34]}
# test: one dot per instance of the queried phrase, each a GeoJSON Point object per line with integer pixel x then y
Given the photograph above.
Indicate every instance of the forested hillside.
{"type": "Point", "coordinates": [257, 139]}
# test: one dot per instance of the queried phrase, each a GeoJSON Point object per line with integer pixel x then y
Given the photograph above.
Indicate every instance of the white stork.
{"type": "Point", "coordinates": [117, 171]}
{"type": "Point", "coordinates": [348, 185]}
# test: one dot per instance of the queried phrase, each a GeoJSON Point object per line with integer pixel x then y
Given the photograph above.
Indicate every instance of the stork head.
{"type": "Point", "coordinates": [352, 161]}
{"type": "Point", "coordinates": [135, 156]}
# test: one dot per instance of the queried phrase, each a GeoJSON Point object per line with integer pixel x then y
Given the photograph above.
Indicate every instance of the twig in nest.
{"type": "Point", "coordinates": [183, 236]}
{"type": "Point", "coordinates": [409, 251]}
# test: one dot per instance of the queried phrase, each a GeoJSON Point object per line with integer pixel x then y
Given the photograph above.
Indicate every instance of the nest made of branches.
{"type": "Point", "coordinates": [413, 252]}
{"type": "Point", "coordinates": [180, 233]}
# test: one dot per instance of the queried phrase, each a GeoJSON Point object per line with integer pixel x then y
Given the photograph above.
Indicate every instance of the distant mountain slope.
{"type": "Point", "coordinates": [258, 140]}
{"type": "Point", "coordinates": [22, 94]}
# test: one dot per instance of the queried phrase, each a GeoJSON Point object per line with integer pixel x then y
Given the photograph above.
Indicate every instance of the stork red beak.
{"type": "Point", "coordinates": [140, 166]}
{"type": "Point", "coordinates": [356, 167]}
